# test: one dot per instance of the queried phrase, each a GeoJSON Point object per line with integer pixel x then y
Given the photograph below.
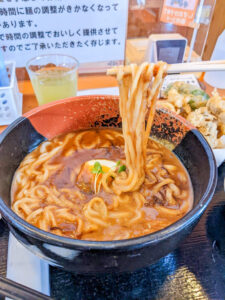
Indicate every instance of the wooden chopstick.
{"type": "Point", "coordinates": [201, 66]}
{"type": "Point", "coordinates": [207, 62]}
{"type": "Point", "coordinates": [196, 67]}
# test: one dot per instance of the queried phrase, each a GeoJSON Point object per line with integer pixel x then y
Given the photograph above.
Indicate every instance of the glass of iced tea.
{"type": "Point", "coordinates": [53, 77]}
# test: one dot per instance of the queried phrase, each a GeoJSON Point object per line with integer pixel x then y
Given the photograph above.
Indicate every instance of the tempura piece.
{"type": "Point", "coordinates": [206, 114]}
{"type": "Point", "coordinates": [206, 123]}
{"type": "Point", "coordinates": [184, 97]}
{"type": "Point", "coordinates": [216, 105]}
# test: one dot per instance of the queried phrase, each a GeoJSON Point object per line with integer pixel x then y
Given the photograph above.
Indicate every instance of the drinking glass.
{"type": "Point", "coordinates": [53, 77]}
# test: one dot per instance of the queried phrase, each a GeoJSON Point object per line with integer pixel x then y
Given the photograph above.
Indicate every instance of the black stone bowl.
{"type": "Point", "coordinates": [91, 257]}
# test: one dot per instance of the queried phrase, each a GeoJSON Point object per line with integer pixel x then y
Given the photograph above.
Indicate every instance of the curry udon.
{"type": "Point", "coordinates": [106, 184]}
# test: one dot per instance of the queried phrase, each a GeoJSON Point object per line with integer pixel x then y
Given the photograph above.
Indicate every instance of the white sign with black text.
{"type": "Point", "coordinates": [93, 31]}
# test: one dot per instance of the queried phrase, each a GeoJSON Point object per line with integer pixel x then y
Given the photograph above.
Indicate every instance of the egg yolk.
{"type": "Point", "coordinates": [89, 177]}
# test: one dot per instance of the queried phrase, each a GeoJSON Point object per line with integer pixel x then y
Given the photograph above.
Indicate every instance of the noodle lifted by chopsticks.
{"type": "Point", "coordinates": [136, 96]}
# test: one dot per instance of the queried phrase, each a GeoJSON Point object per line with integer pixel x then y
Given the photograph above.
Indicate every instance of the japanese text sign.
{"type": "Point", "coordinates": [90, 30]}
{"type": "Point", "coordinates": [179, 12]}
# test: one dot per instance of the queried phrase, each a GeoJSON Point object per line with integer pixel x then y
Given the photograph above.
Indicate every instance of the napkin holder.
{"type": "Point", "coordinates": [10, 97]}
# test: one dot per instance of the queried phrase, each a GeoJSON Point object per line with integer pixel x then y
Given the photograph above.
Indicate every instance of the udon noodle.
{"type": "Point", "coordinates": [135, 98]}
{"type": "Point", "coordinates": [105, 184]}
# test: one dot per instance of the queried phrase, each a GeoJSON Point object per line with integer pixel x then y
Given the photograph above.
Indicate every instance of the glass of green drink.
{"type": "Point", "coordinates": [53, 77]}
